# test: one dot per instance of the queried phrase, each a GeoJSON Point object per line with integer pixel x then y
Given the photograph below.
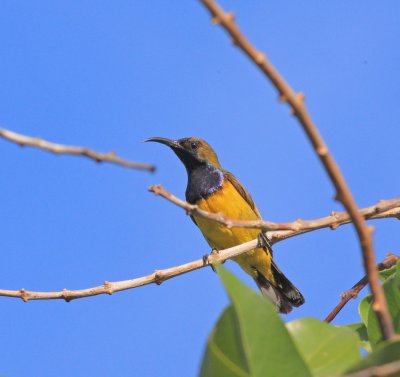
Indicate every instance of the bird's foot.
{"type": "Point", "coordinates": [206, 258]}
{"type": "Point", "coordinates": [264, 242]}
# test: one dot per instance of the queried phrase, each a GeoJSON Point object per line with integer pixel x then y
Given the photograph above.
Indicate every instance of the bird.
{"type": "Point", "coordinates": [216, 190]}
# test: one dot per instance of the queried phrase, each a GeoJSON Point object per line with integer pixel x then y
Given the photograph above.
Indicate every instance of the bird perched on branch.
{"type": "Point", "coordinates": [216, 190]}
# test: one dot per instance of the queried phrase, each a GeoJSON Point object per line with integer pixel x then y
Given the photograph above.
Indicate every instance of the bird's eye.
{"type": "Point", "coordinates": [194, 145]}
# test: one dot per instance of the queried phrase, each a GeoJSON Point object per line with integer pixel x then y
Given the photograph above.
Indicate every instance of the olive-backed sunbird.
{"type": "Point", "coordinates": [216, 190]}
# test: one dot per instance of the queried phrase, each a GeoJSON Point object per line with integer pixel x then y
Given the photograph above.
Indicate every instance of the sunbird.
{"type": "Point", "coordinates": [216, 190]}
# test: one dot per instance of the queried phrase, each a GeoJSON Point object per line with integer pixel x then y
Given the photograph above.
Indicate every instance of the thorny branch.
{"type": "Point", "coordinates": [160, 276]}
{"type": "Point", "coordinates": [353, 292]}
{"type": "Point", "coordinates": [343, 193]}
{"type": "Point", "coordinates": [69, 149]}
{"type": "Point", "coordinates": [157, 277]}
{"type": "Point", "coordinates": [383, 209]}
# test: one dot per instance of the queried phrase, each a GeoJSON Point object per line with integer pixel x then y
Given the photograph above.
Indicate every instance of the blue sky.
{"type": "Point", "coordinates": [110, 74]}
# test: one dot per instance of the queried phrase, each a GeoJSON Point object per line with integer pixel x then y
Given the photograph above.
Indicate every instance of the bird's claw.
{"type": "Point", "coordinates": [264, 242]}
{"type": "Point", "coordinates": [207, 261]}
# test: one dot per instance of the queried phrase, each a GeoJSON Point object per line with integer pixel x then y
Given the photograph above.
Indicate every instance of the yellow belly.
{"type": "Point", "coordinates": [229, 202]}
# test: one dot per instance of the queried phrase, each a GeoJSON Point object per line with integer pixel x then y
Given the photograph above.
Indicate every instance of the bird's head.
{"type": "Point", "coordinates": [192, 151]}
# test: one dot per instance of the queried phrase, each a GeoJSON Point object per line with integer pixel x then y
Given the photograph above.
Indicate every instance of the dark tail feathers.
{"type": "Point", "coordinates": [282, 293]}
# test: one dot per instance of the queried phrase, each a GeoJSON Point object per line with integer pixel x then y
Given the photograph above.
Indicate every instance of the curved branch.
{"type": "Point", "coordinates": [156, 277]}
{"type": "Point", "coordinates": [160, 276]}
{"type": "Point", "coordinates": [353, 292]}
{"type": "Point", "coordinates": [35, 142]}
{"type": "Point", "coordinates": [383, 209]}
{"type": "Point", "coordinates": [343, 193]}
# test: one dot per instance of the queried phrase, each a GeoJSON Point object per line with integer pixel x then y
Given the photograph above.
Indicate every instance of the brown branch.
{"type": "Point", "coordinates": [35, 142]}
{"type": "Point", "coordinates": [343, 193]}
{"type": "Point", "coordinates": [384, 370]}
{"type": "Point", "coordinates": [157, 277]}
{"type": "Point", "coordinates": [383, 209]}
{"type": "Point", "coordinates": [389, 261]}
{"type": "Point", "coordinates": [160, 276]}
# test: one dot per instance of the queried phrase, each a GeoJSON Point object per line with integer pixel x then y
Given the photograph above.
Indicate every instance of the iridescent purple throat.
{"type": "Point", "coordinates": [203, 181]}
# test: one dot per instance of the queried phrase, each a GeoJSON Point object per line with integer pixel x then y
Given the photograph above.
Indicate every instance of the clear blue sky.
{"type": "Point", "coordinates": [110, 74]}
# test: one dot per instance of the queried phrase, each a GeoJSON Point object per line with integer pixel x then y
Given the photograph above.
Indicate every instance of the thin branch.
{"type": "Point", "coordinates": [383, 209]}
{"type": "Point", "coordinates": [157, 277]}
{"type": "Point", "coordinates": [353, 292]}
{"type": "Point", "coordinates": [160, 276]}
{"type": "Point", "coordinates": [384, 370]}
{"type": "Point", "coordinates": [343, 193]}
{"type": "Point", "coordinates": [35, 142]}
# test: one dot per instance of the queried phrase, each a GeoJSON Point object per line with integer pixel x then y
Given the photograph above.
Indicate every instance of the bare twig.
{"type": "Point", "coordinates": [160, 276]}
{"type": "Point", "coordinates": [383, 209]}
{"type": "Point", "coordinates": [384, 370]}
{"type": "Point", "coordinates": [389, 261]}
{"type": "Point", "coordinates": [112, 157]}
{"type": "Point", "coordinates": [157, 277]}
{"type": "Point", "coordinates": [343, 193]}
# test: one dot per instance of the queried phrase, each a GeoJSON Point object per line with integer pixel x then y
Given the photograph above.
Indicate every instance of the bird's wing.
{"type": "Point", "coordinates": [193, 220]}
{"type": "Point", "coordinates": [242, 191]}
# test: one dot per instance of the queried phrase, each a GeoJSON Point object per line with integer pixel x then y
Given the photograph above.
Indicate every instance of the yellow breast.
{"type": "Point", "coordinates": [230, 203]}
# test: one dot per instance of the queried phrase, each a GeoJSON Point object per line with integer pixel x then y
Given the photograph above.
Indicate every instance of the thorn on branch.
{"type": "Point", "coordinates": [338, 197]}
{"type": "Point", "coordinates": [158, 277]}
{"type": "Point", "coordinates": [108, 287]}
{"type": "Point", "coordinates": [112, 157]}
{"type": "Point", "coordinates": [379, 205]}
{"type": "Point", "coordinates": [282, 98]}
{"type": "Point", "coordinates": [215, 20]}
{"type": "Point", "coordinates": [155, 189]}
{"type": "Point", "coordinates": [260, 58]}
{"type": "Point", "coordinates": [376, 306]}
{"type": "Point", "coordinates": [66, 295]}
{"type": "Point", "coordinates": [334, 226]}
{"type": "Point", "coordinates": [230, 16]}
{"type": "Point", "coordinates": [322, 151]}
{"type": "Point", "coordinates": [332, 168]}
{"type": "Point", "coordinates": [353, 292]}
{"type": "Point", "coordinates": [24, 295]}
{"type": "Point", "coordinates": [300, 96]}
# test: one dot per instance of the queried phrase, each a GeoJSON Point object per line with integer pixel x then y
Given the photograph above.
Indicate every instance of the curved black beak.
{"type": "Point", "coordinates": [170, 143]}
{"type": "Point", "coordinates": [188, 157]}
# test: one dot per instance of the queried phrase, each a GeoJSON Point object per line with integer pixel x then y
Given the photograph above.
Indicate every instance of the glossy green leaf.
{"type": "Point", "coordinates": [392, 292]}
{"type": "Point", "coordinates": [250, 339]}
{"type": "Point", "coordinates": [386, 352]}
{"type": "Point", "coordinates": [361, 331]}
{"type": "Point", "coordinates": [328, 350]}
{"type": "Point", "coordinates": [224, 355]}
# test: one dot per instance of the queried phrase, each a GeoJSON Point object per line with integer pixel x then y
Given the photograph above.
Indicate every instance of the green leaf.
{"type": "Point", "coordinates": [385, 274]}
{"type": "Point", "coordinates": [386, 352]}
{"type": "Point", "coordinates": [224, 355]}
{"type": "Point", "coordinates": [328, 350]}
{"type": "Point", "coordinates": [391, 287]}
{"type": "Point", "coordinates": [361, 331]}
{"type": "Point", "coordinates": [250, 338]}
